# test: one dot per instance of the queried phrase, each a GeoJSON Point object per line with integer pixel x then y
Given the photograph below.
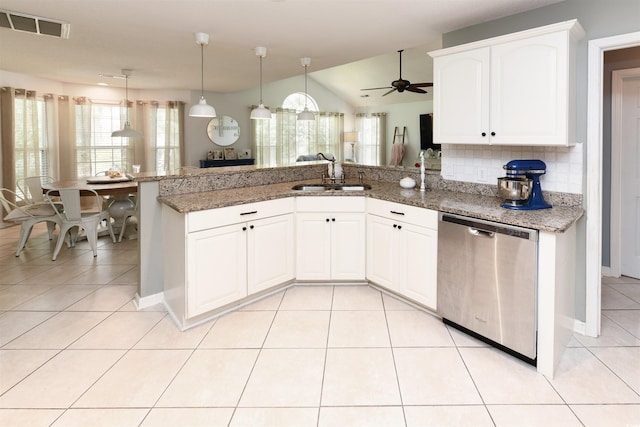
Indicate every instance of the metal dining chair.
{"type": "Point", "coordinates": [73, 218]}
{"type": "Point", "coordinates": [28, 215]}
{"type": "Point", "coordinates": [31, 188]}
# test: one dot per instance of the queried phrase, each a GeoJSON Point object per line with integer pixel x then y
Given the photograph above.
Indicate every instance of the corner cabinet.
{"type": "Point", "coordinates": [330, 238]}
{"type": "Point", "coordinates": [402, 250]}
{"type": "Point", "coordinates": [517, 89]}
{"type": "Point", "coordinates": [220, 256]}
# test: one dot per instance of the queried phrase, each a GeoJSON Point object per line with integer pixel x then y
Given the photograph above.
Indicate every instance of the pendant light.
{"type": "Point", "coordinates": [261, 112]}
{"type": "Point", "coordinates": [306, 114]}
{"type": "Point", "coordinates": [202, 109]}
{"type": "Point", "coordinates": [126, 131]}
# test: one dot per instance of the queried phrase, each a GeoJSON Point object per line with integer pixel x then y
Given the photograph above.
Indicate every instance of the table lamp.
{"type": "Point", "coordinates": [352, 138]}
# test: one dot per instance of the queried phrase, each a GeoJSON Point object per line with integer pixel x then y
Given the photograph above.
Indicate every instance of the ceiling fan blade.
{"type": "Point", "coordinates": [392, 90]}
{"type": "Point", "coordinates": [415, 89]}
{"type": "Point", "coordinates": [377, 88]}
{"type": "Point", "coordinates": [422, 84]}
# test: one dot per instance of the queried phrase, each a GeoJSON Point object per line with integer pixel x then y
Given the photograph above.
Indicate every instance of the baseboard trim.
{"type": "Point", "coordinates": [579, 327]}
{"type": "Point", "coordinates": [148, 301]}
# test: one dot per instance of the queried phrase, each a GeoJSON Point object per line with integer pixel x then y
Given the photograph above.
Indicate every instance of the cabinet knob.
{"type": "Point", "coordinates": [493, 134]}
{"type": "Point", "coordinates": [327, 219]}
{"type": "Point", "coordinates": [333, 219]}
{"type": "Point", "coordinates": [484, 134]}
{"type": "Point", "coordinates": [244, 228]}
{"type": "Point", "coordinates": [395, 225]}
{"type": "Point", "coordinates": [251, 227]}
{"type": "Point", "coordinates": [399, 227]}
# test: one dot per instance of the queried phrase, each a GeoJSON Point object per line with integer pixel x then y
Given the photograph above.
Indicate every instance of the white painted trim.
{"type": "Point", "coordinates": [617, 81]}
{"type": "Point", "coordinates": [579, 327]}
{"type": "Point", "coordinates": [593, 194]}
{"type": "Point", "coordinates": [606, 272]}
{"type": "Point", "coordinates": [148, 301]}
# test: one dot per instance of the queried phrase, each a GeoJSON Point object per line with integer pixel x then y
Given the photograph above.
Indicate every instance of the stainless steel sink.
{"type": "Point", "coordinates": [328, 187]}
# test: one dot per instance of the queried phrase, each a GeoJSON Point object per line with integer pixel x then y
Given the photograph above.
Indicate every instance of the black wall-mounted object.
{"type": "Point", "coordinates": [426, 133]}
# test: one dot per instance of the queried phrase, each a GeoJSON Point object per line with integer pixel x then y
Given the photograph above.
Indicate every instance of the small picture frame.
{"type": "Point", "coordinates": [244, 154]}
{"type": "Point", "coordinates": [217, 155]}
{"type": "Point", "coordinates": [229, 154]}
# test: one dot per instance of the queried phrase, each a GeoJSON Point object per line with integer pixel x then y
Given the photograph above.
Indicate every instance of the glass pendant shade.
{"type": "Point", "coordinates": [202, 109]}
{"type": "Point", "coordinates": [306, 114]}
{"type": "Point", "coordinates": [126, 131]}
{"type": "Point", "coordinates": [261, 112]}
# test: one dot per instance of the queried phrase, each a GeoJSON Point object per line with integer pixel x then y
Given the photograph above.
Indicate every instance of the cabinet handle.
{"type": "Point", "coordinates": [395, 225]}
{"type": "Point", "coordinates": [244, 228]}
{"type": "Point", "coordinates": [484, 134]}
{"type": "Point", "coordinates": [333, 219]}
{"type": "Point", "coordinates": [397, 213]}
{"type": "Point", "coordinates": [248, 213]}
{"type": "Point", "coordinates": [327, 219]}
{"type": "Point", "coordinates": [251, 227]}
{"type": "Point", "coordinates": [493, 134]}
{"type": "Point", "coordinates": [399, 227]}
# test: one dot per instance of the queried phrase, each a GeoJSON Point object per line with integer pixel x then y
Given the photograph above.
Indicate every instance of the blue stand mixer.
{"type": "Point", "coordinates": [521, 187]}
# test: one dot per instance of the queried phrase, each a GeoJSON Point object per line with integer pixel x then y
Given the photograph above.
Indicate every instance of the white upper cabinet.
{"type": "Point", "coordinates": [517, 89]}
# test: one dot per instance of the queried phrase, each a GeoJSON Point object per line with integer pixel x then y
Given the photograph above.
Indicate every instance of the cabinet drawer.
{"type": "Point", "coordinates": [203, 220]}
{"type": "Point", "coordinates": [330, 204]}
{"type": "Point", "coordinates": [397, 211]}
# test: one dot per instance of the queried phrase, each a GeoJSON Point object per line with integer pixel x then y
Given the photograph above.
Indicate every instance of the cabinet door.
{"type": "Point", "coordinates": [313, 246]}
{"type": "Point", "coordinates": [270, 252]}
{"type": "Point", "coordinates": [347, 246]}
{"type": "Point", "coordinates": [529, 91]}
{"type": "Point", "coordinates": [461, 98]}
{"type": "Point", "coordinates": [417, 275]}
{"type": "Point", "coordinates": [382, 252]}
{"type": "Point", "coordinates": [216, 273]}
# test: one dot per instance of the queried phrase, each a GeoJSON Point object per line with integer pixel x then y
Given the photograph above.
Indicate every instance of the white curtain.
{"type": "Point", "coordinates": [371, 147]}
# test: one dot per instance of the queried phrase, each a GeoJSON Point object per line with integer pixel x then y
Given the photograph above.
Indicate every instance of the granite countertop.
{"type": "Point", "coordinates": [557, 219]}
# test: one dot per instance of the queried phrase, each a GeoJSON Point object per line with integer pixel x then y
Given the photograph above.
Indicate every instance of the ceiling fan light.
{"type": "Point", "coordinates": [126, 132]}
{"type": "Point", "coordinates": [306, 115]}
{"type": "Point", "coordinates": [202, 109]}
{"type": "Point", "coordinates": [260, 113]}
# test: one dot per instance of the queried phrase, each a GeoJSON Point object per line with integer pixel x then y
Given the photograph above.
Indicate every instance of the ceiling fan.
{"type": "Point", "coordinates": [401, 85]}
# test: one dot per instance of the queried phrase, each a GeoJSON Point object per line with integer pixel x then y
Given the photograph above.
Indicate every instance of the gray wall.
{"type": "Point", "coordinates": [599, 19]}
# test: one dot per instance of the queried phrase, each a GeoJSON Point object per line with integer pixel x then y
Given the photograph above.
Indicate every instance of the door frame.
{"type": "Point", "coordinates": [593, 193]}
{"type": "Point", "coordinates": [618, 78]}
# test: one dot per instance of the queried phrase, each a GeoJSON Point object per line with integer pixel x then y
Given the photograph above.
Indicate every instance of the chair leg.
{"type": "Point", "coordinates": [61, 239]}
{"type": "Point", "coordinates": [92, 238]}
{"type": "Point", "coordinates": [124, 227]}
{"type": "Point", "coordinates": [50, 227]}
{"type": "Point", "coordinates": [110, 228]}
{"type": "Point", "coordinates": [25, 232]}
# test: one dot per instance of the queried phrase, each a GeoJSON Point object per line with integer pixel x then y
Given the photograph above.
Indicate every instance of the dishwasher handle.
{"type": "Point", "coordinates": [480, 233]}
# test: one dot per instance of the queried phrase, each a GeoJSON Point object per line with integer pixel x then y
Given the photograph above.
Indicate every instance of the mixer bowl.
{"type": "Point", "coordinates": [514, 188]}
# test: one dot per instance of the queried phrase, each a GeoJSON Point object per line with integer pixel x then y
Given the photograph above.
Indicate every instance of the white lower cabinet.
{"type": "Point", "coordinates": [330, 238]}
{"type": "Point", "coordinates": [402, 249]}
{"type": "Point", "coordinates": [220, 256]}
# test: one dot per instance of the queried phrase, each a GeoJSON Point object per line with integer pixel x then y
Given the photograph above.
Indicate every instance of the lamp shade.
{"type": "Point", "coordinates": [351, 137]}
{"type": "Point", "coordinates": [260, 113]}
{"type": "Point", "coordinates": [306, 115]}
{"type": "Point", "coordinates": [202, 109]}
{"type": "Point", "coordinates": [126, 132]}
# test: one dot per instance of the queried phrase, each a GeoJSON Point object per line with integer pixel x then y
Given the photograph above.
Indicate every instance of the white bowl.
{"type": "Point", "coordinates": [407, 182]}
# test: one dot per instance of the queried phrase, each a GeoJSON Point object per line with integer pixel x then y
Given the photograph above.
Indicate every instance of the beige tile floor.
{"type": "Point", "coordinates": [74, 352]}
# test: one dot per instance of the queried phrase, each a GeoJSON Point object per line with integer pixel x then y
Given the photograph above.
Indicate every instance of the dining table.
{"type": "Point", "coordinates": [119, 189]}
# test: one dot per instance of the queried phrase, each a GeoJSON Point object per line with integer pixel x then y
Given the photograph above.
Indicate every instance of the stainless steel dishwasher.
{"type": "Point", "coordinates": [487, 282]}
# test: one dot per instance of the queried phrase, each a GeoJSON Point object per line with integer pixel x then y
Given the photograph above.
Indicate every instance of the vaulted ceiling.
{"type": "Point", "coordinates": [352, 43]}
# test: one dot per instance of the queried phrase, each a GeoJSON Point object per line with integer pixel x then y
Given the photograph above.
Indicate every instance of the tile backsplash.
{"type": "Point", "coordinates": [483, 164]}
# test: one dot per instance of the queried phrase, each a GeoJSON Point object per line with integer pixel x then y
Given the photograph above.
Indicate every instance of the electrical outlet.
{"type": "Point", "coordinates": [483, 175]}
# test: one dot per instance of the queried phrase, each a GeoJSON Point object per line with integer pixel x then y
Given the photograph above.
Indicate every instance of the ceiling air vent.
{"type": "Point", "coordinates": [34, 24]}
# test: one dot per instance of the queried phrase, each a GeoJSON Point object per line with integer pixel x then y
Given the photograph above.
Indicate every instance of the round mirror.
{"type": "Point", "coordinates": [223, 130]}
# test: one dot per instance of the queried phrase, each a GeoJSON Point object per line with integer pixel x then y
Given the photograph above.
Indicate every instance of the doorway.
{"type": "Point", "coordinates": [625, 173]}
{"type": "Point", "coordinates": [593, 192]}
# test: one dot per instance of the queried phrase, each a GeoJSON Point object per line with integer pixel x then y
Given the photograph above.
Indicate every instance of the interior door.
{"type": "Point", "coordinates": [630, 176]}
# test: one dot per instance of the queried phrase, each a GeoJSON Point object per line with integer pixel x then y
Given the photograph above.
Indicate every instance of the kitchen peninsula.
{"type": "Point", "coordinates": [197, 191]}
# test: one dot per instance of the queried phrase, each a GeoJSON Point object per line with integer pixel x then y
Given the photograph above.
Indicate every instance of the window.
{"type": "Point", "coordinates": [96, 150]}
{"type": "Point", "coordinates": [283, 139]}
{"type": "Point", "coordinates": [370, 148]}
{"type": "Point", "coordinates": [31, 154]}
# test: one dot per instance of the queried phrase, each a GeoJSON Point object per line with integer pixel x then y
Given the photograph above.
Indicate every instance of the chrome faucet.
{"type": "Point", "coordinates": [331, 172]}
